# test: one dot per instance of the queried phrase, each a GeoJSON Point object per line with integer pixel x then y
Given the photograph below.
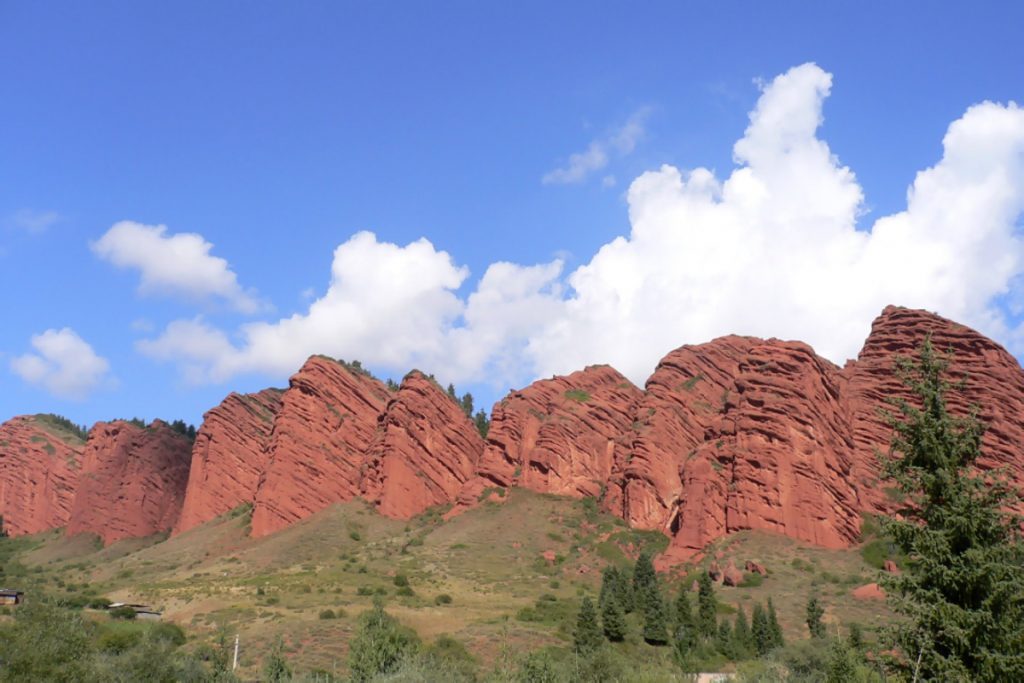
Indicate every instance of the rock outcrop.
{"type": "Point", "coordinates": [40, 460]}
{"type": "Point", "coordinates": [327, 421]}
{"type": "Point", "coordinates": [560, 435]}
{"type": "Point", "coordinates": [132, 481]}
{"type": "Point", "coordinates": [426, 448]}
{"type": "Point", "coordinates": [738, 433]}
{"type": "Point", "coordinates": [229, 456]}
{"type": "Point", "coordinates": [993, 381]}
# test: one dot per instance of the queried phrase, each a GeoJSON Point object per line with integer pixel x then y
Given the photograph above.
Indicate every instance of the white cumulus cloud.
{"type": "Point", "coordinates": [772, 249]}
{"type": "Point", "coordinates": [596, 156]}
{"type": "Point", "coordinates": [63, 363]}
{"type": "Point", "coordinates": [178, 264]}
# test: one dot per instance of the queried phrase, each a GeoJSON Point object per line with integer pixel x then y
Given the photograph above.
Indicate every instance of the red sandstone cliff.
{"type": "Point", "coordinates": [229, 456]}
{"type": "Point", "coordinates": [327, 420]}
{"type": "Point", "coordinates": [132, 481]}
{"type": "Point", "coordinates": [993, 381]}
{"type": "Point", "coordinates": [39, 465]}
{"type": "Point", "coordinates": [425, 450]}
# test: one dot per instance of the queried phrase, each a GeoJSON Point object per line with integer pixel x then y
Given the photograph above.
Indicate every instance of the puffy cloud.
{"type": "Point", "coordinates": [63, 363]}
{"type": "Point", "coordinates": [773, 249]}
{"type": "Point", "coordinates": [178, 264]}
{"type": "Point", "coordinates": [596, 156]}
{"type": "Point", "coordinates": [386, 305]}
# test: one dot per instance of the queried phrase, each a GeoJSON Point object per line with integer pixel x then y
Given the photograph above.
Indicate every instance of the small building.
{"type": "Point", "coordinates": [141, 611]}
{"type": "Point", "coordinates": [9, 596]}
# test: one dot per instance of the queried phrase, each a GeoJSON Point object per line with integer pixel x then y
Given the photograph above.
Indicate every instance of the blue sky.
{"type": "Point", "coordinates": [277, 132]}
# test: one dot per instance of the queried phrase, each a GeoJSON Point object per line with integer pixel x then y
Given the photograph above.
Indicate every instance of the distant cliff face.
{"type": "Point", "coordinates": [229, 456]}
{"type": "Point", "coordinates": [738, 433]}
{"type": "Point", "coordinates": [425, 449]}
{"type": "Point", "coordinates": [132, 481]}
{"type": "Point", "coordinates": [327, 421]}
{"type": "Point", "coordinates": [40, 463]}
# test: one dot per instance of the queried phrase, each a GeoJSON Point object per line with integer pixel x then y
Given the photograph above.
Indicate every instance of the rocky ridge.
{"type": "Point", "coordinates": [738, 433]}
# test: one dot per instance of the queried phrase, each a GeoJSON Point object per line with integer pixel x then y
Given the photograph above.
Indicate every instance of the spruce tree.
{"type": "Point", "coordinates": [856, 639]}
{"type": "Point", "coordinates": [645, 582]}
{"type": "Point", "coordinates": [774, 627]}
{"type": "Point", "coordinates": [761, 631]}
{"type": "Point", "coordinates": [842, 664]}
{"type": "Point", "coordinates": [723, 639]}
{"type": "Point", "coordinates": [814, 614]}
{"type": "Point", "coordinates": [962, 590]}
{"type": "Point", "coordinates": [624, 590]}
{"type": "Point", "coordinates": [587, 637]}
{"type": "Point", "coordinates": [742, 637]}
{"type": "Point", "coordinates": [655, 617]}
{"type": "Point", "coordinates": [684, 627]}
{"type": "Point", "coordinates": [613, 619]}
{"type": "Point", "coordinates": [707, 609]}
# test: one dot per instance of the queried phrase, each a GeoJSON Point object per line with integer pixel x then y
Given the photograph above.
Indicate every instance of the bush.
{"type": "Point", "coordinates": [405, 592]}
{"type": "Point", "coordinates": [123, 612]}
{"type": "Point", "coordinates": [328, 614]}
{"type": "Point", "coordinates": [379, 646]}
{"type": "Point", "coordinates": [401, 580]}
{"type": "Point", "coordinates": [443, 599]}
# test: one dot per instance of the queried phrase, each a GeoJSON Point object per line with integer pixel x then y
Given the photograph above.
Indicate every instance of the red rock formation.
{"type": "Point", "coordinates": [683, 398]}
{"type": "Point", "coordinates": [993, 381]}
{"type": "Point", "coordinates": [132, 482]}
{"type": "Point", "coordinates": [39, 465]}
{"type": "Point", "coordinates": [559, 435]}
{"type": "Point", "coordinates": [755, 568]}
{"type": "Point", "coordinates": [229, 456]}
{"type": "Point", "coordinates": [870, 591]}
{"type": "Point", "coordinates": [425, 450]}
{"type": "Point", "coordinates": [327, 421]}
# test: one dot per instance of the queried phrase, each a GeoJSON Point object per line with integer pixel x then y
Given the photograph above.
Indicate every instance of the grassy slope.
{"type": "Point", "coordinates": [489, 560]}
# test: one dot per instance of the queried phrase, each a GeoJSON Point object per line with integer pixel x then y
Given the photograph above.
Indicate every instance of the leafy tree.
{"type": "Point", "coordinates": [45, 643]}
{"type": "Point", "coordinates": [537, 667]}
{"type": "Point", "coordinates": [588, 636]}
{"type": "Point", "coordinates": [814, 614]}
{"type": "Point", "coordinates": [962, 590]}
{"type": "Point", "coordinates": [743, 639]}
{"type": "Point", "coordinates": [379, 645]}
{"type": "Point", "coordinates": [774, 627]}
{"type": "Point", "coordinates": [762, 631]}
{"type": "Point", "coordinates": [707, 608]}
{"type": "Point", "coordinates": [655, 617]}
{"type": "Point", "coordinates": [275, 666]}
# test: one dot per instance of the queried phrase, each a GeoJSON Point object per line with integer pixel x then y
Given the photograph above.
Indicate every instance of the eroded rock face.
{"type": "Point", "coordinates": [425, 450]}
{"type": "Point", "coordinates": [39, 466]}
{"type": "Point", "coordinates": [132, 481]}
{"type": "Point", "coordinates": [560, 435]}
{"type": "Point", "coordinates": [993, 381]}
{"type": "Point", "coordinates": [327, 421]}
{"type": "Point", "coordinates": [229, 456]}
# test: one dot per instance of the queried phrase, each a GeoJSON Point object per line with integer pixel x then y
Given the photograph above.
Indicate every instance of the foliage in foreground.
{"type": "Point", "coordinates": [962, 589]}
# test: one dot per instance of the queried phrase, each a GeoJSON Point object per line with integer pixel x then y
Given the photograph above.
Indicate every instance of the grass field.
{"type": "Point", "coordinates": [505, 576]}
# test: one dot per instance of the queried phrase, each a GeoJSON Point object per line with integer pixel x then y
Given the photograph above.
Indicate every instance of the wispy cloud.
{"type": "Point", "coordinates": [33, 221]}
{"type": "Point", "coordinates": [599, 152]}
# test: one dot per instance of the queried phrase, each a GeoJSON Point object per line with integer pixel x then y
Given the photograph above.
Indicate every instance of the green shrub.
{"type": "Point", "coordinates": [443, 599]}
{"type": "Point", "coordinates": [401, 580]}
{"type": "Point", "coordinates": [328, 614]}
{"type": "Point", "coordinates": [124, 612]}
{"type": "Point", "coordinates": [405, 592]}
